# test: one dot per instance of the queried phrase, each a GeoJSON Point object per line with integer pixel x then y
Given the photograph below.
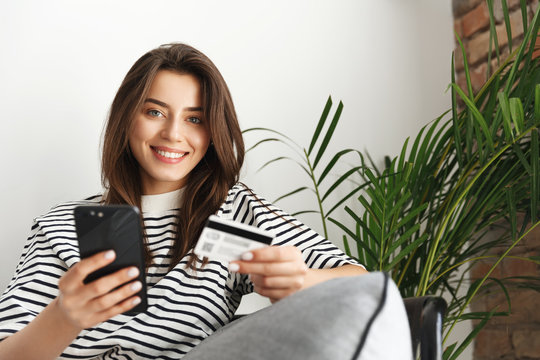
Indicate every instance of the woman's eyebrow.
{"type": "Point", "coordinates": [165, 105]}
{"type": "Point", "coordinates": [157, 102]}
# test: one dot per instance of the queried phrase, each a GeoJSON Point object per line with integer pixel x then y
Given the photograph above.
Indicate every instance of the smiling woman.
{"type": "Point", "coordinates": [157, 156]}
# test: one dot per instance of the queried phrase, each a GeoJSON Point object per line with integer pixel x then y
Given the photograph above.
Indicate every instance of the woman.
{"type": "Point", "coordinates": [173, 147]}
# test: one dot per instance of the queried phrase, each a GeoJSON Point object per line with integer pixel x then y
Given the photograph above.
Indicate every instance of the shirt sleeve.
{"type": "Point", "coordinates": [246, 207]}
{"type": "Point", "coordinates": [34, 284]}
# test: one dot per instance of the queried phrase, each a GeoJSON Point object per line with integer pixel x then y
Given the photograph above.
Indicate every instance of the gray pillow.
{"type": "Point", "coordinates": [360, 317]}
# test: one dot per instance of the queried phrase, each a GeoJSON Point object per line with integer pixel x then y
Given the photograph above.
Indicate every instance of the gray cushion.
{"type": "Point", "coordinates": [361, 317]}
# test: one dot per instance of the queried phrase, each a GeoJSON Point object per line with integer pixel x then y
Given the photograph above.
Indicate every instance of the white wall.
{"type": "Point", "coordinates": [62, 61]}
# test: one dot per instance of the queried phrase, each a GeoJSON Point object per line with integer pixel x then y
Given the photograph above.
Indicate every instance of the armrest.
{"type": "Point", "coordinates": [425, 315]}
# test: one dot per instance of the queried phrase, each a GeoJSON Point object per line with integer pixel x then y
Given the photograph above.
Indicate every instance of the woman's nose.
{"type": "Point", "coordinates": [173, 130]}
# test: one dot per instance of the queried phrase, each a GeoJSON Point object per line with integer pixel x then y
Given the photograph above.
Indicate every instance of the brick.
{"type": "Point", "coordinates": [481, 268]}
{"type": "Point", "coordinates": [531, 242]}
{"type": "Point", "coordinates": [477, 47]}
{"type": "Point", "coordinates": [516, 26]}
{"type": "Point", "coordinates": [475, 20]}
{"type": "Point", "coordinates": [460, 7]}
{"type": "Point", "coordinates": [524, 308]}
{"type": "Point", "coordinates": [458, 28]}
{"type": "Point", "coordinates": [518, 267]}
{"type": "Point", "coordinates": [526, 343]}
{"type": "Point", "coordinates": [534, 6]}
{"type": "Point", "coordinates": [489, 342]}
{"type": "Point", "coordinates": [478, 77]}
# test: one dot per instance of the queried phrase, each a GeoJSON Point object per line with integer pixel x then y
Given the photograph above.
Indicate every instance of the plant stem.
{"type": "Point", "coordinates": [317, 194]}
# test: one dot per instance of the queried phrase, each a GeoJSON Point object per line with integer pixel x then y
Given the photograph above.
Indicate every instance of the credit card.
{"type": "Point", "coordinates": [226, 240]}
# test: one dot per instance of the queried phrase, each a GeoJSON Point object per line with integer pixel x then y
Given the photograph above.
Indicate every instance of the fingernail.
{"type": "Point", "coordinates": [136, 301]}
{"type": "Point", "coordinates": [136, 286]}
{"type": "Point", "coordinates": [132, 272]}
{"type": "Point", "coordinates": [109, 255]}
{"type": "Point", "coordinates": [247, 256]}
{"type": "Point", "coordinates": [234, 267]}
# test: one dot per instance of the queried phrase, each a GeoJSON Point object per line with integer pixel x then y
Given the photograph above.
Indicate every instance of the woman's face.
{"type": "Point", "coordinates": [169, 135]}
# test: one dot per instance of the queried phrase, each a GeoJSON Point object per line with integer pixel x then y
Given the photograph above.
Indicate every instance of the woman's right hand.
{"type": "Point", "coordinates": [86, 305]}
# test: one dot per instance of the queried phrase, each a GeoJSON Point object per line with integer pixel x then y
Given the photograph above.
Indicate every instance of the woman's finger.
{"type": "Point", "coordinates": [273, 254]}
{"type": "Point", "coordinates": [75, 276]}
{"type": "Point", "coordinates": [269, 268]}
{"type": "Point", "coordinates": [115, 297]}
{"type": "Point", "coordinates": [109, 282]}
{"type": "Point", "coordinates": [278, 282]}
{"type": "Point", "coordinates": [117, 309]}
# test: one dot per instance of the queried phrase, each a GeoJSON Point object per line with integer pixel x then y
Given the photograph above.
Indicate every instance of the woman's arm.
{"type": "Point", "coordinates": [279, 271]}
{"type": "Point", "coordinates": [78, 306]}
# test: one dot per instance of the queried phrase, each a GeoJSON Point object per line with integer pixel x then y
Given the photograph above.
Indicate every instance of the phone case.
{"type": "Point", "coordinates": [117, 227]}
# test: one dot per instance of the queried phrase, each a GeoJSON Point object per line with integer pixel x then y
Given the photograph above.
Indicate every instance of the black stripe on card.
{"type": "Point", "coordinates": [265, 239]}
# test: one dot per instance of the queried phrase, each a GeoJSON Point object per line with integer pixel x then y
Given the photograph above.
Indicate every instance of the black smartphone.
{"type": "Point", "coordinates": [113, 227]}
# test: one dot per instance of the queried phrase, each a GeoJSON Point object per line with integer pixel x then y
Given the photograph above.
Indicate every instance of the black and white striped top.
{"type": "Point", "coordinates": [182, 309]}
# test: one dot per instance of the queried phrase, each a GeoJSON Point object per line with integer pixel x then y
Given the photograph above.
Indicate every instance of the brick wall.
{"type": "Point", "coordinates": [471, 23]}
{"type": "Point", "coordinates": [516, 336]}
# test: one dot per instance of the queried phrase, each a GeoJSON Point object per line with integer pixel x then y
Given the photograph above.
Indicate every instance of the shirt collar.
{"type": "Point", "coordinates": [162, 202]}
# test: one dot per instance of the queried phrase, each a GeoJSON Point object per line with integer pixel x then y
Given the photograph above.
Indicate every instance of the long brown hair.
{"type": "Point", "coordinates": [209, 182]}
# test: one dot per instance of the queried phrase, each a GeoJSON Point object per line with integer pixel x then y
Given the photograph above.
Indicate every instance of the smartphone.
{"type": "Point", "coordinates": [113, 227]}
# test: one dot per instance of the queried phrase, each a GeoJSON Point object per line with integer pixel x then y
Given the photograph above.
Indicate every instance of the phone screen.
{"type": "Point", "coordinates": [116, 227]}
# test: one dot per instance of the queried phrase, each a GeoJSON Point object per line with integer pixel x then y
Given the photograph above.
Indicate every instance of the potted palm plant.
{"type": "Point", "coordinates": [425, 215]}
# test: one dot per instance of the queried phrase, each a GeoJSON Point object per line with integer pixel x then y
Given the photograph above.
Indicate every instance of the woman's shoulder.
{"type": "Point", "coordinates": [64, 210]}
{"type": "Point", "coordinates": [241, 190]}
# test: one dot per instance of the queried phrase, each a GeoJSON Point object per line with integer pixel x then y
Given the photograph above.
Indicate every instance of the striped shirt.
{"type": "Point", "coordinates": [183, 309]}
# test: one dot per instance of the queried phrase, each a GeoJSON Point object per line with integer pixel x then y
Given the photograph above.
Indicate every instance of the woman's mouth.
{"type": "Point", "coordinates": [168, 155]}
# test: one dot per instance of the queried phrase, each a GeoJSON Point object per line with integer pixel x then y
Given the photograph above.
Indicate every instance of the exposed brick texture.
{"type": "Point", "coordinates": [516, 336]}
{"type": "Point", "coordinates": [472, 23]}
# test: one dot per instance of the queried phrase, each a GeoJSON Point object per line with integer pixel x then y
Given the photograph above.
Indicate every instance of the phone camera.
{"type": "Point", "coordinates": [92, 213]}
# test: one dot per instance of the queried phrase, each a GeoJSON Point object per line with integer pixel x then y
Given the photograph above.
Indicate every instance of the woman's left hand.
{"type": "Point", "coordinates": [276, 271]}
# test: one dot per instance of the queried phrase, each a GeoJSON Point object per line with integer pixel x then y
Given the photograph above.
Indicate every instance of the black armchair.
{"type": "Point", "coordinates": [425, 315]}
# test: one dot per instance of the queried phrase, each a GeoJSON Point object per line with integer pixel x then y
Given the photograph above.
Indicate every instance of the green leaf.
{"type": "Point", "coordinates": [477, 115]}
{"type": "Point", "coordinates": [511, 212]}
{"type": "Point", "coordinates": [493, 39]}
{"type": "Point", "coordinates": [455, 121]}
{"type": "Point", "coordinates": [296, 191]}
{"type": "Point", "coordinates": [346, 246]}
{"type": "Point", "coordinates": [535, 180]}
{"type": "Point", "coordinates": [320, 124]}
{"type": "Point", "coordinates": [395, 243]}
{"type": "Point", "coordinates": [448, 351]}
{"type": "Point", "coordinates": [537, 103]}
{"type": "Point", "coordinates": [507, 120]}
{"type": "Point", "coordinates": [524, 17]}
{"type": "Point", "coordinates": [264, 141]}
{"type": "Point", "coordinates": [341, 179]}
{"type": "Point", "coordinates": [328, 135]}
{"type": "Point", "coordinates": [408, 249]}
{"type": "Point", "coordinates": [516, 110]}
{"type": "Point", "coordinates": [295, 214]}
{"type": "Point", "coordinates": [507, 23]}
{"type": "Point", "coordinates": [360, 243]}
{"type": "Point", "coordinates": [465, 68]}
{"type": "Point", "coordinates": [334, 161]}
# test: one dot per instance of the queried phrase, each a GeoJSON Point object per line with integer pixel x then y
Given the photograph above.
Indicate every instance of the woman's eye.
{"type": "Point", "coordinates": [154, 113]}
{"type": "Point", "coordinates": [194, 120]}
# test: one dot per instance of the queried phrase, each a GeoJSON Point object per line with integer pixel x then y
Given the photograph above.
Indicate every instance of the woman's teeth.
{"type": "Point", "coordinates": [170, 155]}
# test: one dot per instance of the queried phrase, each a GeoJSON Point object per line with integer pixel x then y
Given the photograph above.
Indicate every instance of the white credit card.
{"type": "Point", "coordinates": [226, 240]}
